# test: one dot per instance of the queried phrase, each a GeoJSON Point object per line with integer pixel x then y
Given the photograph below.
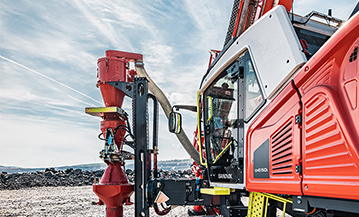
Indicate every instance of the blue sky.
{"type": "Point", "coordinates": [49, 51]}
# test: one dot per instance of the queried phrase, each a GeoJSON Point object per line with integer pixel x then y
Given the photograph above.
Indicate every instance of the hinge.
{"type": "Point", "coordinates": [298, 119]}
{"type": "Point", "coordinates": [298, 168]}
{"type": "Point", "coordinates": [207, 129]}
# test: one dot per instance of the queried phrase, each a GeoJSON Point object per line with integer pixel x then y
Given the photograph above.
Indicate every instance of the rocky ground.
{"type": "Point", "coordinates": [68, 177]}
{"type": "Point", "coordinates": [60, 201]}
{"type": "Point", "coordinates": [68, 201]}
{"type": "Point", "coordinates": [63, 193]}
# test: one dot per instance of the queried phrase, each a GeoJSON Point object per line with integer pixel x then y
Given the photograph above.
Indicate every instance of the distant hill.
{"type": "Point", "coordinates": [85, 167]}
{"type": "Point", "coordinates": [181, 164]}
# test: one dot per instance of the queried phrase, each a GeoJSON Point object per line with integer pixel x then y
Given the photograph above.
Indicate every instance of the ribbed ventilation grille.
{"type": "Point", "coordinates": [325, 147]}
{"type": "Point", "coordinates": [281, 149]}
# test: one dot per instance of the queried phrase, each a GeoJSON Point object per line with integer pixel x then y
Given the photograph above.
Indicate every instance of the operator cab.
{"type": "Point", "coordinates": [224, 116]}
{"type": "Point", "coordinates": [243, 80]}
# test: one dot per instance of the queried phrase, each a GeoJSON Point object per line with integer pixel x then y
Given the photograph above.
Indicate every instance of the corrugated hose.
{"type": "Point", "coordinates": [167, 108]}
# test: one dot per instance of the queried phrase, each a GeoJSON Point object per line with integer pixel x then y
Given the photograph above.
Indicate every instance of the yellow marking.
{"type": "Point", "coordinates": [204, 163]}
{"type": "Point", "coordinates": [222, 152]}
{"type": "Point", "coordinates": [216, 191]}
{"type": "Point", "coordinates": [100, 111]}
{"type": "Point", "coordinates": [211, 115]}
{"type": "Point", "coordinates": [258, 203]}
{"type": "Point", "coordinates": [178, 123]}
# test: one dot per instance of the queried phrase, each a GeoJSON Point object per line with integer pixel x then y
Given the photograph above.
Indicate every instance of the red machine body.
{"type": "Point", "coordinates": [114, 189]}
{"type": "Point", "coordinates": [312, 126]}
{"type": "Point", "coordinates": [114, 67]}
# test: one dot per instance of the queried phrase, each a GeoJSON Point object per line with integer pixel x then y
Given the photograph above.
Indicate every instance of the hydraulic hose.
{"type": "Point", "coordinates": [167, 108]}
{"type": "Point", "coordinates": [243, 17]}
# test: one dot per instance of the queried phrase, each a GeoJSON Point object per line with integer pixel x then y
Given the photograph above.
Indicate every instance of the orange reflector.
{"type": "Point", "coordinates": [161, 197]}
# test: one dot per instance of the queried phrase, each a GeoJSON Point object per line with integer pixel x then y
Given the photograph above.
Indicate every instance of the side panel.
{"type": "Point", "coordinates": [328, 84]}
{"type": "Point", "coordinates": [275, 50]}
{"type": "Point", "coordinates": [273, 146]}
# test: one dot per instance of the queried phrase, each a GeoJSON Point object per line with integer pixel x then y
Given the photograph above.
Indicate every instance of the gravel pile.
{"type": "Point", "coordinates": [69, 177]}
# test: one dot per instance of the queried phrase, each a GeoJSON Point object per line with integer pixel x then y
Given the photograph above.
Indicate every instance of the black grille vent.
{"type": "Point", "coordinates": [354, 55]}
{"type": "Point", "coordinates": [232, 21]}
{"type": "Point", "coordinates": [281, 150]}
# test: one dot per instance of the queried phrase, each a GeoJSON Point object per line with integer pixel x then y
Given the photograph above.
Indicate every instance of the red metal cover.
{"type": "Point", "coordinates": [326, 143]}
{"type": "Point", "coordinates": [329, 86]}
{"type": "Point", "coordinates": [276, 126]}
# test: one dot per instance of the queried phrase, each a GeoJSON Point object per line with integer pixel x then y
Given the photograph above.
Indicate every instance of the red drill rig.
{"type": "Point", "coordinates": [277, 121]}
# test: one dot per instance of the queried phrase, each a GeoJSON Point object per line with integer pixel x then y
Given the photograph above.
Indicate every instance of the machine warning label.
{"type": "Point", "coordinates": [261, 161]}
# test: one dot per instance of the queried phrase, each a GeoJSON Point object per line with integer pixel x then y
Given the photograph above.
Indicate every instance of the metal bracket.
{"type": "Point", "coordinates": [298, 119]}
{"type": "Point", "coordinates": [125, 87]}
{"type": "Point", "coordinates": [298, 169]}
{"type": "Point", "coordinates": [140, 127]}
{"type": "Point", "coordinates": [207, 129]}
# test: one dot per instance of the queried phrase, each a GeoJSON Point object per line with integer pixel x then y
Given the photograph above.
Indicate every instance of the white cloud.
{"type": "Point", "coordinates": [104, 27]}
{"type": "Point", "coordinates": [32, 142]}
{"type": "Point", "coordinates": [176, 145]}
{"type": "Point", "coordinates": [51, 79]}
{"type": "Point", "coordinates": [158, 59]}
{"type": "Point", "coordinates": [211, 19]}
{"type": "Point", "coordinates": [180, 99]}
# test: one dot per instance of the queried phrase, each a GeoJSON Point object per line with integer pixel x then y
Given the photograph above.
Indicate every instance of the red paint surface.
{"type": "Point", "coordinates": [114, 189]}
{"type": "Point", "coordinates": [330, 122]}
{"type": "Point", "coordinates": [277, 123]}
{"type": "Point", "coordinates": [327, 141]}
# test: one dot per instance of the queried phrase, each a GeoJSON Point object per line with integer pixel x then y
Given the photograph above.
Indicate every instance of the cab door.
{"type": "Point", "coordinates": [223, 124]}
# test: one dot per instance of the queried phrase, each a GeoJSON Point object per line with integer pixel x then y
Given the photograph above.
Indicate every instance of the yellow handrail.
{"type": "Point", "coordinates": [199, 134]}
{"type": "Point", "coordinates": [224, 150]}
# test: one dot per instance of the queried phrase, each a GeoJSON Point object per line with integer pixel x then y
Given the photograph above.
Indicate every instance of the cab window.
{"type": "Point", "coordinates": [221, 103]}
{"type": "Point", "coordinates": [253, 94]}
{"type": "Point", "coordinates": [221, 115]}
